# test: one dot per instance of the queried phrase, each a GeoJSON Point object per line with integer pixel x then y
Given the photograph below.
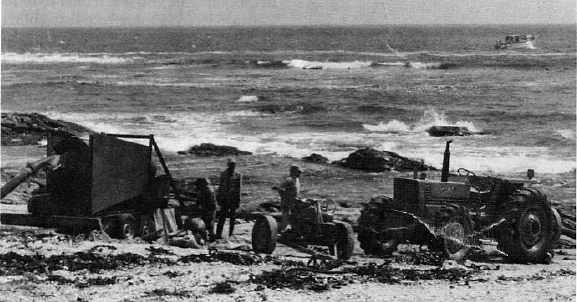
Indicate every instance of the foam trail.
{"type": "Point", "coordinates": [15, 58]}
{"type": "Point", "coordinates": [326, 65]}
{"type": "Point", "coordinates": [430, 65]}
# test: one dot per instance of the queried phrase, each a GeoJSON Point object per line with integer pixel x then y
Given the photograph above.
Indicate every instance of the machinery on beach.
{"type": "Point", "coordinates": [452, 214]}
{"type": "Point", "coordinates": [311, 224]}
{"type": "Point", "coordinates": [109, 184]}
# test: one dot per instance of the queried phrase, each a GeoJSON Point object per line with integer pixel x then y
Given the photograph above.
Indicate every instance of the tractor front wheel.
{"type": "Point", "coordinates": [456, 235]}
{"type": "Point", "coordinates": [264, 235]}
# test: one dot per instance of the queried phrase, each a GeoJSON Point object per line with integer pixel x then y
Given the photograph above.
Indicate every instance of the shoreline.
{"type": "Point", "coordinates": [345, 186]}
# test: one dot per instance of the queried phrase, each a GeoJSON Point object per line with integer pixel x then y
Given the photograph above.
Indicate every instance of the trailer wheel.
{"type": "Point", "coordinates": [533, 230]}
{"type": "Point", "coordinates": [456, 234]}
{"type": "Point", "coordinates": [126, 226]}
{"type": "Point", "coordinates": [147, 226]}
{"type": "Point", "coordinates": [264, 235]}
{"type": "Point", "coordinates": [345, 240]}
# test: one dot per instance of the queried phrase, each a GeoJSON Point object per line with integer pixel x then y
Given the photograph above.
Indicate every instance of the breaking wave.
{"type": "Point", "coordinates": [47, 58]}
{"type": "Point", "coordinates": [566, 133]}
{"type": "Point", "coordinates": [303, 64]}
{"type": "Point", "coordinates": [430, 118]}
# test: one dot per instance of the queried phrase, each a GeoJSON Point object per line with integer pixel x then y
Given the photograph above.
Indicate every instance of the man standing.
{"type": "Point", "coordinates": [289, 191]}
{"type": "Point", "coordinates": [228, 197]}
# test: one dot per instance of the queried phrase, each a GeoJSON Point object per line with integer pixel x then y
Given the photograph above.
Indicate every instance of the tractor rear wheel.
{"type": "Point", "coordinates": [345, 240]}
{"type": "Point", "coordinates": [126, 226]}
{"type": "Point", "coordinates": [264, 235]}
{"type": "Point", "coordinates": [557, 226]}
{"type": "Point", "coordinates": [533, 231]}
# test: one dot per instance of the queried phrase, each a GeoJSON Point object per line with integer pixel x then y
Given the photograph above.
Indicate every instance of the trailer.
{"type": "Point", "coordinates": [109, 183]}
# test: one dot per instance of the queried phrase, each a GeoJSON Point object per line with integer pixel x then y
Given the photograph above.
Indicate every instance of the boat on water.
{"type": "Point", "coordinates": [516, 42]}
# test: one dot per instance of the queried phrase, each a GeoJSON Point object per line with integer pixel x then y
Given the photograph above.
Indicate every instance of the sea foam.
{"type": "Point", "coordinates": [178, 131]}
{"type": "Point", "coordinates": [47, 58]}
{"type": "Point", "coordinates": [430, 118]}
{"type": "Point", "coordinates": [326, 65]}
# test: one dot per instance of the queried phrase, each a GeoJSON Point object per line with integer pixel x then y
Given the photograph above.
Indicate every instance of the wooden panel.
{"type": "Point", "coordinates": [120, 171]}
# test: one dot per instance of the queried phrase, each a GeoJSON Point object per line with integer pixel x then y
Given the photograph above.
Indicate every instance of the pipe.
{"type": "Point", "coordinates": [446, 160]}
{"type": "Point", "coordinates": [31, 169]}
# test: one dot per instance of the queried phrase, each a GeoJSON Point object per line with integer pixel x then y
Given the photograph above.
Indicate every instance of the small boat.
{"type": "Point", "coordinates": [515, 42]}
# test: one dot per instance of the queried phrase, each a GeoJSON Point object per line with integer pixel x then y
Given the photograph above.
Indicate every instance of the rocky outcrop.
{"type": "Point", "coordinates": [315, 158]}
{"type": "Point", "coordinates": [449, 131]}
{"type": "Point", "coordinates": [208, 149]}
{"type": "Point", "coordinates": [369, 159]}
{"type": "Point", "coordinates": [19, 129]}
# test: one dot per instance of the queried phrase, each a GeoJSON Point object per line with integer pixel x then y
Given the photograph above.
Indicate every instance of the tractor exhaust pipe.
{"type": "Point", "coordinates": [446, 160]}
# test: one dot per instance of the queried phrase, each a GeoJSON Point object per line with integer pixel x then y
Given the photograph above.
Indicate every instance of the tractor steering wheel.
{"type": "Point", "coordinates": [465, 172]}
{"type": "Point", "coordinates": [325, 205]}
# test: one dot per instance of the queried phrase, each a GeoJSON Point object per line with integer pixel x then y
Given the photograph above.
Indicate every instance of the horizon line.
{"type": "Point", "coordinates": [290, 25]}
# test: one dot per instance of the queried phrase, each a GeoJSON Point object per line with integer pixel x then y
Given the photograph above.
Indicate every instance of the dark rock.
{"type": "Point", "coordinates": [208, 149]}
{"type": "Point", "coordinates": [372, 160]}
{"type": "Point", "coordinates": [449, 131]}
{"type": "Point", "coordinates": [20, 129]}
{"type": "Point", "coordinates": [316, 158]}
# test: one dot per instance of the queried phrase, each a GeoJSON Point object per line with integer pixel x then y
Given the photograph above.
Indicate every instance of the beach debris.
{"type": "Point", "coordinates": [223, 287]}
{"type": "Point", "coordinates": [209, 149]}
{"type": "Point", "coordinates": [372, 160]}
{"type": "Point", "coordinates": [303, 278]}
{"type": "Point", "coordinates": [165, 292]}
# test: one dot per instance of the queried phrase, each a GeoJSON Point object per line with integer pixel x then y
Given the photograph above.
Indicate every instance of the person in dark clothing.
{"type": "Point", "coordinates": [207, 202]}
{"type": "Point", "coordinates": [228, 197]}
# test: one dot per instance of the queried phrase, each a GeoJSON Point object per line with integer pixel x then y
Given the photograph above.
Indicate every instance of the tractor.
{"type": "Point", "coordinates": [311, 223]}
{"type": "Point", "coordinates": [454, 213]}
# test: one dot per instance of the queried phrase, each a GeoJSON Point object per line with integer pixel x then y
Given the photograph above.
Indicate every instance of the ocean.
{"type": "Point", "coordinates": [294, 91]}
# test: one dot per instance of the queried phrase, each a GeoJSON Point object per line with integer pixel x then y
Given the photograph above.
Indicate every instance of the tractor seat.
{"type": "Point", "coordinates": [481, 189]}
{"type": "Point", "coordinates": [327, 217]}
{"type": "Point", "coordinates": [481, 185]}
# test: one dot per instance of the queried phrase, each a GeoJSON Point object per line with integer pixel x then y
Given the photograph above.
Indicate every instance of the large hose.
{"type": "Point", "coordinates": [31, 169]}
